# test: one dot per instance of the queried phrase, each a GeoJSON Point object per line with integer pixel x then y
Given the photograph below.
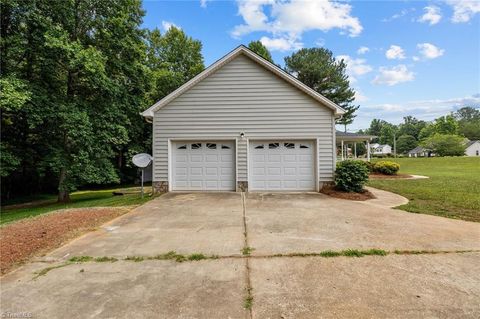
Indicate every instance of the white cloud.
{"type": "Point", "coordinates": [359, 97]}
{"type": "Point", "coordinates": [432, 15]}
{"type": "Point", "coordinates": [402, 13]}
{"type": "Point", "coordinates": [281, 44]}
{"type": "Point", "coordinates": [464, 10]}
{"type": "Point", "coordinates": [395, 75]}
{"type": "Point", "coordinates": [429, 51]}
{"type": "Point", "coordinates": [203, 3]}
{"type": "Point", "coordinates": [290, 19]}
{"type": "Point", "coordinates": [320, 42]}
{"type": "Point", "coordinates": [395, 52]}
{"type": "Point", "coordinates": [355, 67]}
{"type": "Point", "coordinates": [363, 50]}
{"type": "Point", "coordinates": [166, 25]}
{"type": "Point", "coordinates": [430, 106]}
{"type": "Point", "coordinates": [422, 109]}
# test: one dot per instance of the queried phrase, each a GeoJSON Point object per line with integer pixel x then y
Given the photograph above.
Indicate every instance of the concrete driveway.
{"type": "Point", "coordinates": [444, 284]}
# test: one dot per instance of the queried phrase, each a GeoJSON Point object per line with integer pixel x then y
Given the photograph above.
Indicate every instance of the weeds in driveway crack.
{"type": "Point", "coordinates": [247, 251]}
{"type": "Point", "coordinates": [44, 271]}
{"type": "Point", "coordinates": [247, 304]}
{"type": "Point", "coordinates": [246, 254]}
{"type": "Point", "coordinates": [84, 259]}
{"type": "Point", "coordinates": [136, 259]}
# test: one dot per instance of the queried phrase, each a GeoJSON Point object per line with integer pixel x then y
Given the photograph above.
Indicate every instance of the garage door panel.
{"type": "Point", "coordinates": [181, 158]}
{"type": "Point", "coordinates": [259, 158]}
{"type": "Point", "coordinates": [305, 171]}
{"type": "Point", "coordinates": [282, 165]}
{"type": "Point", "coordinates": [211, 171]}
{"type": "Point", "coordinates": [275, 171]}
{"type": "Point", "coordinates": [274, 158]}
{"type": "Point", "coordinates": [196, 158]}
{"type": "Point", "coordinates": [196, 171]}
{"type": "Point", "coordinates": [211, 158]}
{"type": "Point", "coordinates": [274, 184]}
{"type": "Point", "coordinates": [290, 171]}
{"type": "Point", "coordinates": [200, 165]}
{"type": "Point", "coordinates": [290, 158]}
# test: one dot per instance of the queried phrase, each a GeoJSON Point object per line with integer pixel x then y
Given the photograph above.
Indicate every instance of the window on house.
{"type": "Point", "coordinates": [259, 147]}
{"type": "Point", "coordinates": [225, 147]}
{"type": "Point", "coordinates": [196, 146]}
{"type": "Point", "coordinates": [273, 146]}
{"type": "Point", "coordinates": [304, 146]}
{"type": "Point", "coordinates": [289, 145]}
{"type": "Point", "coordinates": [212, 146]}
{"type": "Point", "coordinates": [182, 147]}
{"type": "Point", "coordinates": [477, 152]}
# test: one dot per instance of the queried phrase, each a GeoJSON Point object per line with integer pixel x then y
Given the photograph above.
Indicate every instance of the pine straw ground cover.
{"type": "Point", "coordinates": [330, 190]}
{"type": "Point", "coordinates": [30, 237]}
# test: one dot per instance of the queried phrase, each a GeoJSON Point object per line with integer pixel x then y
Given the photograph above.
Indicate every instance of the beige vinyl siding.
{"type": "Point", "coordinates": [242, 96]}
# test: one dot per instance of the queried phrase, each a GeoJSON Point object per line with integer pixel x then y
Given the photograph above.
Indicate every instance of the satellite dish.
{"type": "Point", "coordinates": [142, 160]}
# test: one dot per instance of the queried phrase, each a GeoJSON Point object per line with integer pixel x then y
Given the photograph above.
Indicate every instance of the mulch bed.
{"type": "Point", "coordinates": [333, 192]}
{"type": "Point", "coordinates": [384, 176]}
{"type": "Point", "coordinates": [29, 237]}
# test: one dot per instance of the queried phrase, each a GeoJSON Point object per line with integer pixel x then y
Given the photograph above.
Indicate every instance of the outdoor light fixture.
{"type": "Point", "coordinates": [242, 135]}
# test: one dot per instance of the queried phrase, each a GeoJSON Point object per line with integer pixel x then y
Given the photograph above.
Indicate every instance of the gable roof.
{"type": "Point", "coordinates": [148, 113]}
{"type": "Point", "coordinates": [417, 149]}
{"type": "Point", "coordinates": [470, 143]}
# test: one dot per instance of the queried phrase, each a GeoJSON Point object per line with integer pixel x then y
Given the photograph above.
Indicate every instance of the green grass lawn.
{"type": "Point", "coordinates": [94, 198]}
{"type": "Point", "coordinates": [453, 189]}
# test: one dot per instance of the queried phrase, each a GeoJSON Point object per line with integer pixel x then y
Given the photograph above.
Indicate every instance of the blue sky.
{"type": "Point", "coordinates": [418, 58]}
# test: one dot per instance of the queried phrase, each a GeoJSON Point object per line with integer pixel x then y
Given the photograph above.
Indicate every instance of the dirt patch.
{"type": "Point", "coordinates": [333, 192]}
{"type": "Point", "coordinates": [35, 236]}
{"type": "Point", "coordinates": [384, 176]}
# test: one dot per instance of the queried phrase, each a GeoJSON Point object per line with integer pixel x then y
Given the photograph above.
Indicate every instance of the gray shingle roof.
{"type": "Point", "coordinates": [470, 143]}
{"type": "Point", "coordinates": [416, 150]}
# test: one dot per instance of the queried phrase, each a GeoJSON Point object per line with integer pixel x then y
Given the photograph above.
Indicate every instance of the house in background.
{"type": "Point", "coordinates": [381, 149]}
{"type": "Point", "coordinates": [472, 148]}
{"type": "Point", "coordinates": [243, 124]}
{"type": "Point", "coordinates": [419, 152]}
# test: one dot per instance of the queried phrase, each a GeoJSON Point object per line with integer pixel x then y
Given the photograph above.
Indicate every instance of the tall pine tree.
{"type": "Point", "coordinates": [318, 69]}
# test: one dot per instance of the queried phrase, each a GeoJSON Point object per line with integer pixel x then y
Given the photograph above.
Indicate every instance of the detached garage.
{"type": "Point", "coordinates": [243, 124]}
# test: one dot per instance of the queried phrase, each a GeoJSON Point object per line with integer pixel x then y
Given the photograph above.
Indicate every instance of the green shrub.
{"type": "Point", "coordinates": [350, 175]}
{"type": "Point", "coordinates": [369, 166]}
{"type": "Point", "coordinates": [386, 167]}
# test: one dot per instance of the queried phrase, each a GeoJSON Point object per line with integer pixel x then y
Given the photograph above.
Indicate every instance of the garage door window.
{"type": "Point", "coordinates": [304, 146]}
{"type": "Point", "coordinates": [259, 147]}
{"type": "Point", "coordinates": [196, 146]}
{"type": "Point", "coordinates": [225, 147]}
{"type": "Point", "coordinates": [212, 146]}
{"type": "Point", "coordinates": [182, 147]}
{"type": "Point", "coordinates": [273, 146]}
{"type": "Point", "coordinates": [289, 145]}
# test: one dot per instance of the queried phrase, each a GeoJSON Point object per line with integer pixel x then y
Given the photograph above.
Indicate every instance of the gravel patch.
{"type": "Point", "coordinates": [30, 237]}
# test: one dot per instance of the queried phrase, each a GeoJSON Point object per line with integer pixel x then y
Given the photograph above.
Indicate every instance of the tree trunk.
{"type": "Point", "coordinates": [63, 194]}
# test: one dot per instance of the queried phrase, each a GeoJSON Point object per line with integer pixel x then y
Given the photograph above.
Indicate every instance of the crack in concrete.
{"type": "Point", "coordinates": [249, 297]}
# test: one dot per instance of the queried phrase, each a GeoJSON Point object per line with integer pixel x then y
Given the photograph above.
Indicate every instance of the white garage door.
{"type": "Point", "coordinates": [200, 165]}
{"type": "Point", "coordinates": [282, 166]}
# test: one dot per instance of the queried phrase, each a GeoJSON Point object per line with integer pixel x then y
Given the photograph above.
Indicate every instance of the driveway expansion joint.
{"type": "Point", "coordinates": [246, 254]}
